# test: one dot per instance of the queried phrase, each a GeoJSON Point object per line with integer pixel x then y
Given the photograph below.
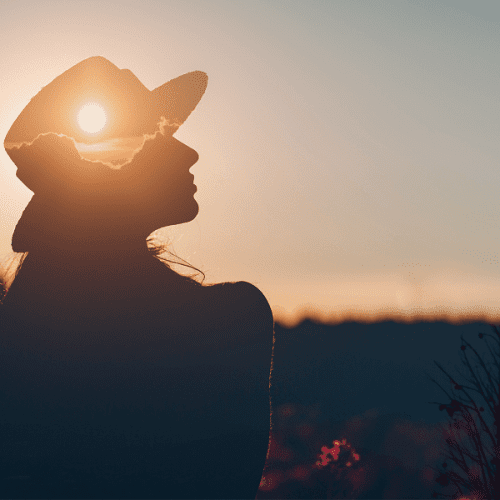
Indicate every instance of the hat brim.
{"type": "Point", "coordinates": [176, 99]}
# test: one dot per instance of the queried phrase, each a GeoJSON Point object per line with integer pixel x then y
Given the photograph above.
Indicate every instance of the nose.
{"type": "Point", "coordinates": [196, 156]}
{"type": "Point", "coordinates": [193, 155]}
{"type": "Point", "coordinates": [188, 154]}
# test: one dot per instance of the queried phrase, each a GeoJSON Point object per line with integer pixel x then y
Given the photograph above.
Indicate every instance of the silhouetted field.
{"type": "Point", "coordinates": [365, 383]}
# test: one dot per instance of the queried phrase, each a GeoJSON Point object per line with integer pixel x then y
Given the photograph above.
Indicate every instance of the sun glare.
{"type": "Point", "coordinates": [91, 118]}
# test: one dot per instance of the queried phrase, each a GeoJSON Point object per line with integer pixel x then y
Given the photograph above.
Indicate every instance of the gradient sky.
{"type": "Point", "coordinates": [348, 149]}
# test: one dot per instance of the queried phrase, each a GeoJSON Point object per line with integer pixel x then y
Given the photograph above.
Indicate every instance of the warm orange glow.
{"type": "Point", "coordinates": [91, 118]}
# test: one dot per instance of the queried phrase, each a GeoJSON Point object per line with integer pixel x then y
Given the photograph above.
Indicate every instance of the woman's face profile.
{"type": "Point", "coordinates": [160, 184]}
{"type": "Point", "coordinates": [155, 189]}
{"type": "Point", "coordinates": [126, 176]}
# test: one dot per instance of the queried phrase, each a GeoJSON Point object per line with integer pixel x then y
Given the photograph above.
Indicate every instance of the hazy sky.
{"type": "Point", "coordinates": [348, 149]}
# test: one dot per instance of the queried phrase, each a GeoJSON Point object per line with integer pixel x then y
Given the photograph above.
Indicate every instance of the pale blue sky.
{"type": "Point", "coordinates": [348, 149]}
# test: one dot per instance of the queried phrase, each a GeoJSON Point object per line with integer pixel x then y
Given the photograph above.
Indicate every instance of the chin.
{"type": "Point", "coordinates": [189, 212]}
{"type": "Point", "coordinates": [193, 213]}
{"type": "Point", "coordinates": [191, 209]}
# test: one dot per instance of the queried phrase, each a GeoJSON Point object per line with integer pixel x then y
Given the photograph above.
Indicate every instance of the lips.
{"type": "Point", "coordinates": [188, 187]}
{"type": "Point", "coordinates": [193, 185]}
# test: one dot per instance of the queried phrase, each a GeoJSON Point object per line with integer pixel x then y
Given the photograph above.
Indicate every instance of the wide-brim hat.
{"type": "Point", "coordinates": [42, 142]}
{"type": "Point", "coordinates": [131, 109]}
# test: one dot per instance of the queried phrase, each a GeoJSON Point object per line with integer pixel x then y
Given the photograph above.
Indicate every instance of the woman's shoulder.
{"type": "Point", "coordinates": [239, 290]}
{"type": "Point", "coordinates": [237, 327]}
{"type": "Point", "coordinates": [241, 298]}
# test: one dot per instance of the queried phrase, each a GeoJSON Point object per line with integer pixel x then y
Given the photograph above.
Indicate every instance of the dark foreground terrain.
{"type": "Point", "coordinates": [366, 384]}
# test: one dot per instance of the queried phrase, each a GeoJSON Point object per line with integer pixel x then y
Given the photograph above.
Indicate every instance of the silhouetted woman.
{"type": "Point", "coordinates": [120, 378]}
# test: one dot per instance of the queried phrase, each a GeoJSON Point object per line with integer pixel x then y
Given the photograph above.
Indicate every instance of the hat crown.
{"type": "Point", "coordinates": [54, 109]}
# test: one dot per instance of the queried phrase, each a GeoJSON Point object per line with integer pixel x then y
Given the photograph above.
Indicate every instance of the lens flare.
{"type": "Point", "coordinates": [91, 118]}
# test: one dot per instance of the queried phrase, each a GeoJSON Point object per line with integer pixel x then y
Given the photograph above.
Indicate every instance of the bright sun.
{"type": "Point", "coordinates": [91, 118]}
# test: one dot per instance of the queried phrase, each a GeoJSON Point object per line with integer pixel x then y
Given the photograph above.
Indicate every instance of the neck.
{"type": "Point", "coordinates": [61, 233]}
{"type": "Point", "coordinates": [106, 253]}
